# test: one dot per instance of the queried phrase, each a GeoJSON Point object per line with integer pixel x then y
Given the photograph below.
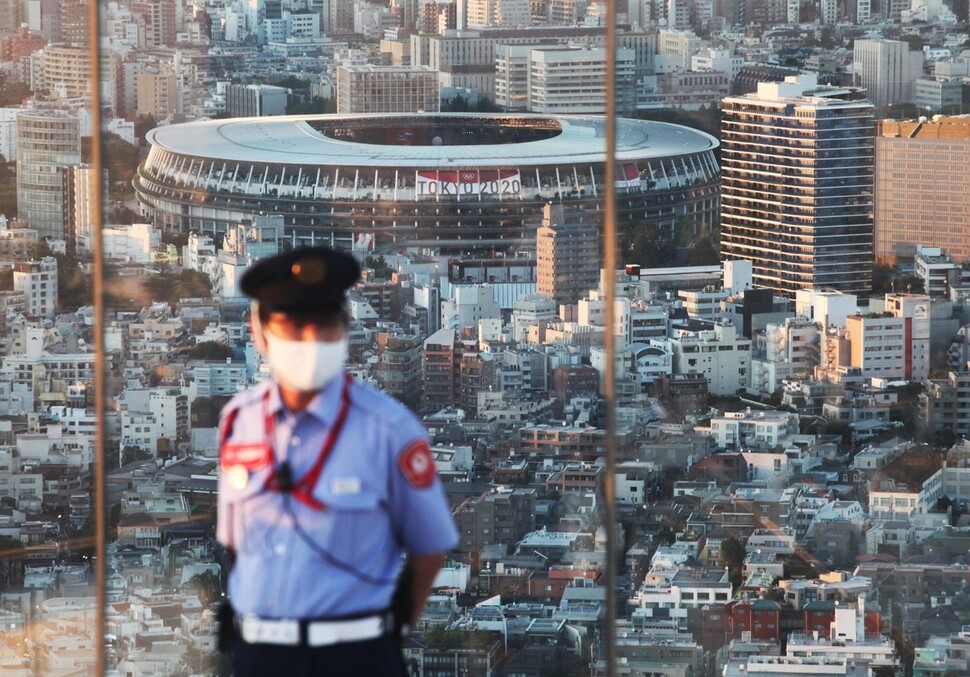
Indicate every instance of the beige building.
{"type": "Point", "coordinates": [159, 94]}
{"type": "Point", "coordinates": [387, 89]}
{"type": "Point", "coordinates": [567, 256]}
{"type": "Point", "coordinates": [921, 178]}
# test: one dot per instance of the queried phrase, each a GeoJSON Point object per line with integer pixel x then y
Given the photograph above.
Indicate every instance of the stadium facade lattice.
{"type": "Point", "coordinates": [448, 182]}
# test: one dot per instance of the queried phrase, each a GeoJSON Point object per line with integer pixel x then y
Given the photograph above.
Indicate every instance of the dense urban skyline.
{"type": "Point", "coordinates": [789, 346]}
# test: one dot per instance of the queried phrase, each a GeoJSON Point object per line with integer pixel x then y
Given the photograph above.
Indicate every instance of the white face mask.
{"type": "Point", "coordinates": [306, 366]}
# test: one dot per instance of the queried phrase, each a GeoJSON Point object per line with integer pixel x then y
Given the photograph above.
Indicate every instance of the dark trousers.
{"type": "Point", "coordinates": [379, 657]}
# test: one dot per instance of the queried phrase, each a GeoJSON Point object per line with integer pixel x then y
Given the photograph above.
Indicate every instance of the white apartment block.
{"type": "Point", "coordinates": [937, 270]}
{"type": "Point", "coordinates": [704, 303]}
{"type": "Point", "coordinates": [17, 484]}
{"type": "Point", "coordinates": [720, 354]}
{"type": "Point", "coordinates": [676, 590]}
{"type": "Point", "coordinates": [131, 244]}
{"type": "Point", "coordinates": [717, 61]}
{"type": "Point", "coordinates": [530, 310]}
{"type": "Point", "coordinates": [914, 309]}
{"type": "Point", "coordinates": [564, 81]}
{"type": "Point", "coordinates": [38, 282]}
{"type": "Point", "coordinates": [216, 378]}
{"type": "Point", "coordinates": [848, 640]}
{"type": "Point", "coordinates": [139, 430]}
{"type": "Point", "coordinates": [887, 69]}
{"type": "Point", "coordinates": [76, 421]}
{"type": "Point", "coordinates": [827, 307]}
{"type": "Point", "coordinates": [895, 345]}
{"type": "Point", "coordinates": [902, 502]}
{"type": "Point", "coordinates": [641, 321]}
{"type": "Point", "coordinates": [469, 304]}
{"type": "Point", "coordinates": [649, 359]}
{"type": "Point", "coordinates": [782, 351]}
{"type": "Point", "coordinates": [53, 447]}
{"type": "Point", "coordinates": [754, 428]}
{"type": "Point", "coordinates": [8, 133]}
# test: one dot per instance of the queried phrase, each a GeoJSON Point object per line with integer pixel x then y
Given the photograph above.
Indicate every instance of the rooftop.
{"type": "Point", "coordinates": [298, 139]}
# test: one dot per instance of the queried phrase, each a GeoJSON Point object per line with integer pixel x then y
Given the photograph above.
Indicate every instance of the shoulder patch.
{"type": "Point", "coordinates": [417, 464]}
{"type": "Point", "coordinates": [250, 456]}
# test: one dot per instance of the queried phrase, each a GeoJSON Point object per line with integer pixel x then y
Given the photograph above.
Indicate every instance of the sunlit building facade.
{"type": "Point", "coordinates": [921, 179]}
{"type": "Point", "coordinates": [797, 166]}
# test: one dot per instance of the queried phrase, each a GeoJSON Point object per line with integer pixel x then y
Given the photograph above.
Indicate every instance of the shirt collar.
{"type": "Point", "coordinates": [323, 407]}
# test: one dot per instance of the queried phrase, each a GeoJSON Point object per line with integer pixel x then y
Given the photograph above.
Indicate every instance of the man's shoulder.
{"type": "Point", "coordinates": [383, 409]}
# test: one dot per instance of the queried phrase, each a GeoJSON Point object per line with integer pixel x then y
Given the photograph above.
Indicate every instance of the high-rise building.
{"type": "Point", "coordinates": [921, 178]}
{"type": "Point", "coordinates": [442, 353]}
{"type": "Point", "coordinates": [567, 256]}
{"type": "Point", "coordinates": [160, 22]}
{"type": "Point", "coordinates": [67, 70]}
{"type": "Point", "coordinates": [887, 69]}
{"type": "Point", "coordinates": [399, 366]}
{"type": "Point", "coordinates": [387, 89]}
{"type": "Point", "coordinates": [46, 140]}
{"type": "Point", "coordinates": [83, 184]}
{"type": "Point", "coordinates": [796, 195]}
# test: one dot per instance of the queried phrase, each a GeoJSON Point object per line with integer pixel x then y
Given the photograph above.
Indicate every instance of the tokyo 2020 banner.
{"type": "Point", "coordinates": [468, 183]}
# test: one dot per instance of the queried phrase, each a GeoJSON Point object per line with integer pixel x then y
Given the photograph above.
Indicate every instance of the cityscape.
{"type": "Point", "coordinates": [786, 332]}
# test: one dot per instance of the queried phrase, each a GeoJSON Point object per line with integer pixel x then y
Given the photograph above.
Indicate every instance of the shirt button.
{"type": "Point", "coordinates": [294, 441]}
{"type": "Point", "coordinates": [280, 549]}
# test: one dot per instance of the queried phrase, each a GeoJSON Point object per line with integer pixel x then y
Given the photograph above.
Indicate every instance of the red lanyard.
{"type": "Point", "coordinates": [303, 490]}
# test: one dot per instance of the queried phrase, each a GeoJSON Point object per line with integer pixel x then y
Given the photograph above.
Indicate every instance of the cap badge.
{"type": "Point", "coordinates": [309, 271]}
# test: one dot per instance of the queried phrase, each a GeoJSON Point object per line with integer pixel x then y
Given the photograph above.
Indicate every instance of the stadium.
{"type": "Point", "coordinates": [446, 183]}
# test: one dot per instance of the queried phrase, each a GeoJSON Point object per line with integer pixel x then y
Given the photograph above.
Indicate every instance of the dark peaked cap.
{"type": "Point", "coordinates": [309, 279]}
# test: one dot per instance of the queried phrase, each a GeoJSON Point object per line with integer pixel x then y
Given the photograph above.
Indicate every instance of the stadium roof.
{"type": "Point", "coordinates": [291, 139]}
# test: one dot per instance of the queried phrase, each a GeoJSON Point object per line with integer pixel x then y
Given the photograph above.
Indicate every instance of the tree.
{"type": "Point", "coordinates": [206, 586]}
{"type": "Point", "coordinates": [211, 350]}
{"type": "Point", "coordinates": [882, 276]}
{"type": "Point", "coordinates": [13, 93]}
{"type": "Point", "coordinates": [143, 125]}
{"type": "Point", "coordinates": [732, 556]}
{"type": "Point", "coordinates": [8, 189]}
{"type": "Point", "coordinates": [171, 288]}
{"type": "Point", "coordinates": [205, 411]}
{"type": "Point", "coordinates": [670, 475]}
{"type": "Point", "coordinates": [700, 241]}
{"type": "Point", "coordinates": [381, 269]}
{"type": "Point", "coordinates": [649, 246]}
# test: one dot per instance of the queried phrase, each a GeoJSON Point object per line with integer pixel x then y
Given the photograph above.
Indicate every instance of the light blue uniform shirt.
{"type": "Point", "coordinates": [373, 505]}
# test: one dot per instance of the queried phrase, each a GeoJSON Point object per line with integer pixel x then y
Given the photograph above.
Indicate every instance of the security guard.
{"type": "Point", "coordinates": [323, 483]}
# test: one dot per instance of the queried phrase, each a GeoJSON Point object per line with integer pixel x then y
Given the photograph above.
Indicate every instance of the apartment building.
{"type": "Point", "coordinates": [387, 89]}
{"type": "Point", "coordinates": [796, 196]}
{"type": "Point", "coordinates": [717, 351]}
{"type": "Point", "coordinates": [38, 282]}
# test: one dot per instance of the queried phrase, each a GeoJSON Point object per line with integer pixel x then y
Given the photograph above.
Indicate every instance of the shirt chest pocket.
{"type": "Point", "coordinates": [350, 526]}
